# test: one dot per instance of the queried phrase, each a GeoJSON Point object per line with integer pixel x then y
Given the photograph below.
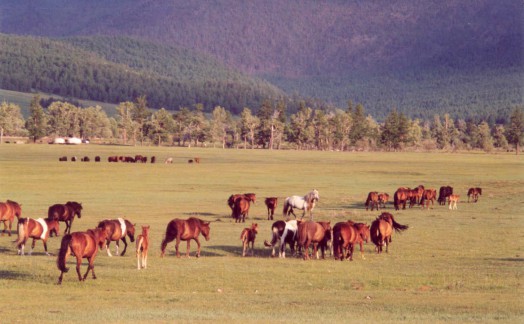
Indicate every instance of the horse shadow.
{"type": "Point", "coordinates": [197, 214]}
{"type": "Point", "coordinates": [237, 250]}
{"type": "Point", "coordinates": [4, 250]}
{"type": "Point", "coordinates": [13, 275]}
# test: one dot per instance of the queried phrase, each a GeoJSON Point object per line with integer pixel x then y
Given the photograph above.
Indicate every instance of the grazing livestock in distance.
{"type": "Point", "coordinates": [247, 236]}
{"type": "Point", "coordinates": [62, 159]}
{"type": "Point", "coordinates": [38, 229]}
{"type": "Point", "coordinates": [185, 230]}
{"type": "Point", "coordinates": [153, 159]}
{"type": "Point", "coordinates": [444, 193]}
{"type": "Point", "coordinates": [85, 159]}
{"type": "Point", "coordinates": [73, 159]}
{"type": "Point", "coordinates": [271, 204]}
{"type": "Point", "coordinates": [168, 160]}
{"type": "Point", "coordinates": [197, 160]}
{"type": "Point", "coordinates": [474, 193]}
{"type": "Point", "coordinates": [112, 159]}
{"type": "Point", "coordinates": [97, 158]}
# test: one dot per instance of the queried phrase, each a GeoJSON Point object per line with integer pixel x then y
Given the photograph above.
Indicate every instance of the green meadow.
{"type": "Point", "coordinates": [465, 265]}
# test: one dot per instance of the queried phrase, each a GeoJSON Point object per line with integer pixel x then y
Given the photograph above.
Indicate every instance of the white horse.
{"type": "Point", "coordinates": [306, 203]}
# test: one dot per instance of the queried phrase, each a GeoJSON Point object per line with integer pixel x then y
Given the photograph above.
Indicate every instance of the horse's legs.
{"type": "Point", "coordinates": [362, 251]}
{"type": "Point", "coordinates": [176, 246]}
{"type": "Point", "coordinates": [78, 263]}
{"type": "Point", "coordinates": [91, 266]}
{"type": "Point", "coordinates": [125, 245]}
{"type": "Point", "coordinates": [107, 248]}
{"type": "Point", "coordinates": [144, 258]}
{"type": "Point", "coordinates": [198, 247]}
{"type": "Point", "coordinates": [32, 247]}
{"type": "Point", "coordinates": [169, 238]}
{"type": "Point", "coordinates": [244, 247]}
{"type": "Point", "coordinates": [252, 248]}
{"type": "Point", "coordinates": [70, 224]}
{"type": "Point", "coordinates": [10, 226]}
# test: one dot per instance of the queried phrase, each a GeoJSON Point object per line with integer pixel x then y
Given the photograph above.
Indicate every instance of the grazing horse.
{"type": "Point", "coordinates": [112, 159]}
{"type": "Point", "coordinates": [142, 248]}
{"type": "Point", "coordinates": [185, 230]}
{"type": "Point", "coordinates": [306, 203]}
{"type": "Point", "coordinates": [38, 229]}
{"type": "Point", "coordinates": [400, 197]}
{"type": "Point", "coordinates": [312, 232]}
{"type": "Point", "coordinates": [82, 245]}
{"type": "Point", "coordinates": [271, 204]}
{"type": "Point", "coordinates": [97, 158]}
{"type": "Point", "coordinates": [62, 159]}
{"type": "Point", "coordinates": [382, 230]}
{"type": "Point", "coordinates": [346, 235]}
{"type": "Point", "coordinates": [169, 160]}
{"type": "Point", "coordinates": [383, 199]}
{"type": "Point", "coordinates": [65, 213]}
{"type": "Point", "coordinates": [231, 200]}
{"type": "Point", "coordinates": [277, 229]}
{"type": "Point", "coordinates": [117, 229]}
{"type": "Point", "coordinates": [247, 236]}
{"type": "Point", "coordinates": [372, 200]}
{"type": "Point", "coordinates": [416, 195]}
{"type": "Point", "coordinates": [428, 196]}
{"type": "Point", "coordinates": [453, 199]}
{"type": "Point", "coordinates": [474, 193]}
{"type": "Point", "coordinates": [8, 211]}
{"type": "Point", "coordinates": [444, 193]}
{"type": "Point", "coordinates": [240, 204]}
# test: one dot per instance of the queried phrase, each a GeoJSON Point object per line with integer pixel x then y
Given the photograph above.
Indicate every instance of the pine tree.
{"type": "Point", "coordinates": [36, 124]}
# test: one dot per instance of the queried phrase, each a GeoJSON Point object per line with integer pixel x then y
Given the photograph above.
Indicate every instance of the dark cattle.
{"type": "Point", "coordinates": [97, 159]}
{"type": "Point", "coordinates": [153, 159]}
{"type": "Point", "coordinates": [85, 159]}
{"type": "Point", "coordinates": [189, 161]}
{"type": "Point", "coordinates": [129, 159]}
{"type": "Point", "coordinates": [140, 159]}
{"type": "Point", "coordinates": [62, 159]}
{"type": "Point", "coordinates": [73, 159]}
{"type": "Point", "coordinates": [444, 193]}
{"type": "Point", "coordinates": [112, 159]}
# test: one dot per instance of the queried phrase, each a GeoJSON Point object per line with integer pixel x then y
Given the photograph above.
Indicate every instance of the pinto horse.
{"type": "Point", "coordinates": [247, 236]}
{"type": "Point", "coordinates": [346, 235]}
{"type": "Point", "coordinates": [38, 229]}
{"type": "Point", "coordinates": [117, 229]}
{"type": "Point", "coordinates": [82, 245]}
{"type": "Point", "coordinates": [65, 213]}
{"type": "Point", "coordinates": [400, 197]}
{"type": "Point", "coordinates": [271, 204]}
{"type": "Point", "coordinates": [305, 203]}
{"type": "Point", "coordinates": [474, 193]}
{"type": "Point", "coordinates": [372, 200]}
{"type": "Point", "coordinates": [185, 230]}
{"type": "Point", "coordinates": [444, 193]}
{"type": "Point", "coordinates": [8, 211]}
{"type": "Point", "coordinates": [313, 232]}
{"type": "Point", "coordinates": [142, 247]}
{"type": "Point", "coordinates": [283, 233]}
{"type": "Point", "coordinates": [382, 230]}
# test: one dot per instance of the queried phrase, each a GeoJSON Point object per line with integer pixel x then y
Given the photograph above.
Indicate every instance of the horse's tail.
{"type": "Point", "coordinates": [286, 208]}
{"type": "Point", "coordinates": [139, 242]}
{"type": "Point", "coordinates": [395, 200]}
{"type": "Point", "coordinates": [398, 227]}
{"type": "Point", "coordinates": [22, 231]}
{"type": "Point", "coordinates": [64, 252]}
{"type": "Point", "coordinates": [368, 200]}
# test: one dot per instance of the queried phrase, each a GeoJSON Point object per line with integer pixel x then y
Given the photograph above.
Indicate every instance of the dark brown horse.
{"type": "Point", "coordinates": [241, 208]}
{"type": "Point", "coordinates": [428, 196]}
{"type": "Point", "coordinates": [248, 235]}
{"type": "Point", "coordinates": [271, 204]}
{"type": "Point", "coordinates": [38, 229]}
{"type": "Point", "coordinates": [82, 245]}
{"type": "Point", "coordinates": [185, 230]}
{"type": "Point", "coordinates": [117, 229]}
{"type": "Point", "coordinates": [382, 230]}
{"type": "Point", "coordinates": [8, 211]}
{"type": "Point", "coordinates": [312, 232]}
{"type": "Point", "coordinates": [400, 197]}
{"type": "Point", "coordinates": [383, 199]}
{"type": "Point", "coordinates": [444, 193]}
{"type": "Point", "coordinates": [372, 200]}
{"type": "Point", "coordinates": [142, 248]}
{"type": "Point", "coordinates": [65, 213]}
{"type": "Point", "coordinates": [474, 193]}
{"type": "Point", "coordinates": [346, 235]}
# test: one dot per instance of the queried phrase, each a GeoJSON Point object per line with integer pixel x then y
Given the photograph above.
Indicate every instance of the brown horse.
{"type": "Point", "coordinates": [453, 200]}
{"type": "Point", "coordinates": [444, 193]}
{"type": "Point", "coordinates": [400, 197]}
{"type": "Point", "coordinates": [38, 229]}
{"type": "Point", "coordinates": [346, 235]}
{"type": "Point", "coordinates": [65, 213]}
{"type": "Point", "coordinates": [241, 208]}
{"type": "Point", "coordinates": [271, 204]}
{"type": "Point", "coordinates": [313, 232]}
{"type": "Point", "coordinates": [428, 196]}
{"type": "Point", "coordinates": [8, 211]}
{"type": "Point", "coordinates": [372, 200]}
{"type": "Point", "coordinates": [382, 230]}
{"type": "Point", "coordinates": [185, 230]}
{"type": "Point", "coordinates": [474, 193]}
{"type": "Point", "coordinates": [383, 199]}
{"type": "Point", "coordinates": [82, 245]}
{"type": "Point", "coordinates": [231, 200]}
{"type": "Point", "coordinates": [416, 195]}
{"type": "Point", "coordinates": [117, 229]}
{"type": "Point", "coordinates": [142, 248]}
{"type": "Point", "coordinates": [247, 236]}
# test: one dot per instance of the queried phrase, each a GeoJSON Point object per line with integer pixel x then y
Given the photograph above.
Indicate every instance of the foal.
{"type": "Point", "coordinates": [142, 246]}
{"type": "Point", "coordinates": [248, 235]}
{"type": "Point", "coordinates": [453, 199]}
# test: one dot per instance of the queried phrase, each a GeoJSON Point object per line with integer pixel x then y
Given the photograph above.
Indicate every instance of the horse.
{"type": "Point", "coordinates": [453, 199]}
{"type": "Point", "coordinates": [416, 195]}
{"type": "Point", "coordinates": [97, 158]}
{"type": "Point", "coordinates": [8, 211]}
{"type": "Point", "coordinates": [372, 200]}
{"type": "Point", "coordinates": [117, 229]}
{"type": "Point", "coordinates": [241, 208]}
{"type": "Point", "coordinates": [474, 193]}
{"type": "Point", "coordinates": [142, 247]}
{"type": "Point", "coordinates": [65, 213]}
{"type": "Point", "coordinates": [271, 204]}
{"type": "Point", "coordinates": [277, 229]}
{"type": "Point", "coordinates": [382, 229]}
{"type": "Point", "coordinates": [247, 236]}
{"type": "Point", "coordinates": [400, 197]}
{"type": "Point", "coordinates": [38, 229]}
{"type": "Point", "coordinates": [185, 230]}
{"type": "Point", "coordinates": [169, 160]}
{"type": "Point", "coordinates": [312, 232]}
{"type": "Point", "coordinates": [231, 200]}
{"type": "Point", "coordinates": [444, 193]}
{"type": "Point", "coordinates": [112, 159]}
{"type": "Point", "coordinates": [383, 199]}
{"type": "Point", "coordinates": [305, 203]}
{"type": "Point", "coordinates": [82, 245]}
{"type": "Point", "coordinates": [346, 235]}
{"type": "Point", "coordinates": [428, 196]}
{"type": "Point", "coordinates": [62, 159]}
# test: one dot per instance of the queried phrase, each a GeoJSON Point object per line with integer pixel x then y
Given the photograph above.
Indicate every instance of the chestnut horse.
{"type": "Point", "coordinates": [8, 211]}
{"type": "Point", "coordinates": [185, 230]}
{"type": "Point", "coordinates": [474, 193]}
{"type": "Point", "coordinates": [65, 213]}
{"type": "Point", "coordinates": [313, 232]}
{"type": "Point", "coordinates": [38, 229]}
{"type": "Point", "coordinates": [400, 197]}
{"type": "Point", "coordinates": [444, 193]}
{"type": "Point", "coordinates": [247, 236]}
{"type": "Point", "coordinates": [372, 200]}
{"type": "Point", "coordinates": [271, 204]}
{"type": "Point", "coordinates": [346, 235]}
{"type": "Point", "coordinates": [241, 208]}
{"type": "Point", "coordinates": [416, 196]}
{"type": "Point", "coordinates": [383, 199]}
{"type": "Point", "coordinates": [428, 196]}
{"type": "Point", "coordinates": [453, 200]}
{"type": "Point", "coordinates": [231, 200]}
{"type": "Point", "coordinates": [142, 247]}
{"type": "Point", "coordinates": [382, 230]}
{"type": "Point", "coordinates": [117, 229]}
{"type": "Point", "coordinates": [82, 245]}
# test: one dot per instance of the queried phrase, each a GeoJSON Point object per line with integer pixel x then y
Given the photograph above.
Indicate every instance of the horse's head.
{"type": "Point", "coordinates": [364, 232]}
{"type": "Point", "coordinates": [100, 236]}
{"type": "Point", "coordinates": [130, 228]}
{"type": "Point", "coordinates": [54, 227]}
{"type": "Point", "coordinates": [145, 231]}
{"type": "Point", "coordinates": [77, 208]}
{"type": "Point", "coordinates": [251, 196]}
{"type": "Point", "coordinates": [254, 227]}
{"type": "Point", "coordinates": [205, 229]}
{"type": "Point", "coordinates": [17, 208]}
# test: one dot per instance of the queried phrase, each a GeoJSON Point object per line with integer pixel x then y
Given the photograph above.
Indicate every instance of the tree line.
{"type": "Point", "coordinates": [269, 128]}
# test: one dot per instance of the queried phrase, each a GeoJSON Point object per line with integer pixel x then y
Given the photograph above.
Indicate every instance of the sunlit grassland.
{"type": "Point", "coordinates": [449, 266]}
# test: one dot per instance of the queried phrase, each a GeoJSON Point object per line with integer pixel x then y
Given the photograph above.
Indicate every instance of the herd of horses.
{"type": "Point", "coordinates": [125, 159]}
{"type": "Point", "coordinates": [298, 234]}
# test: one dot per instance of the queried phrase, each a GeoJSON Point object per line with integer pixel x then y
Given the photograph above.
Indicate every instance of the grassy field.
{"type": "Point", "coordinates": [449, 266]}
